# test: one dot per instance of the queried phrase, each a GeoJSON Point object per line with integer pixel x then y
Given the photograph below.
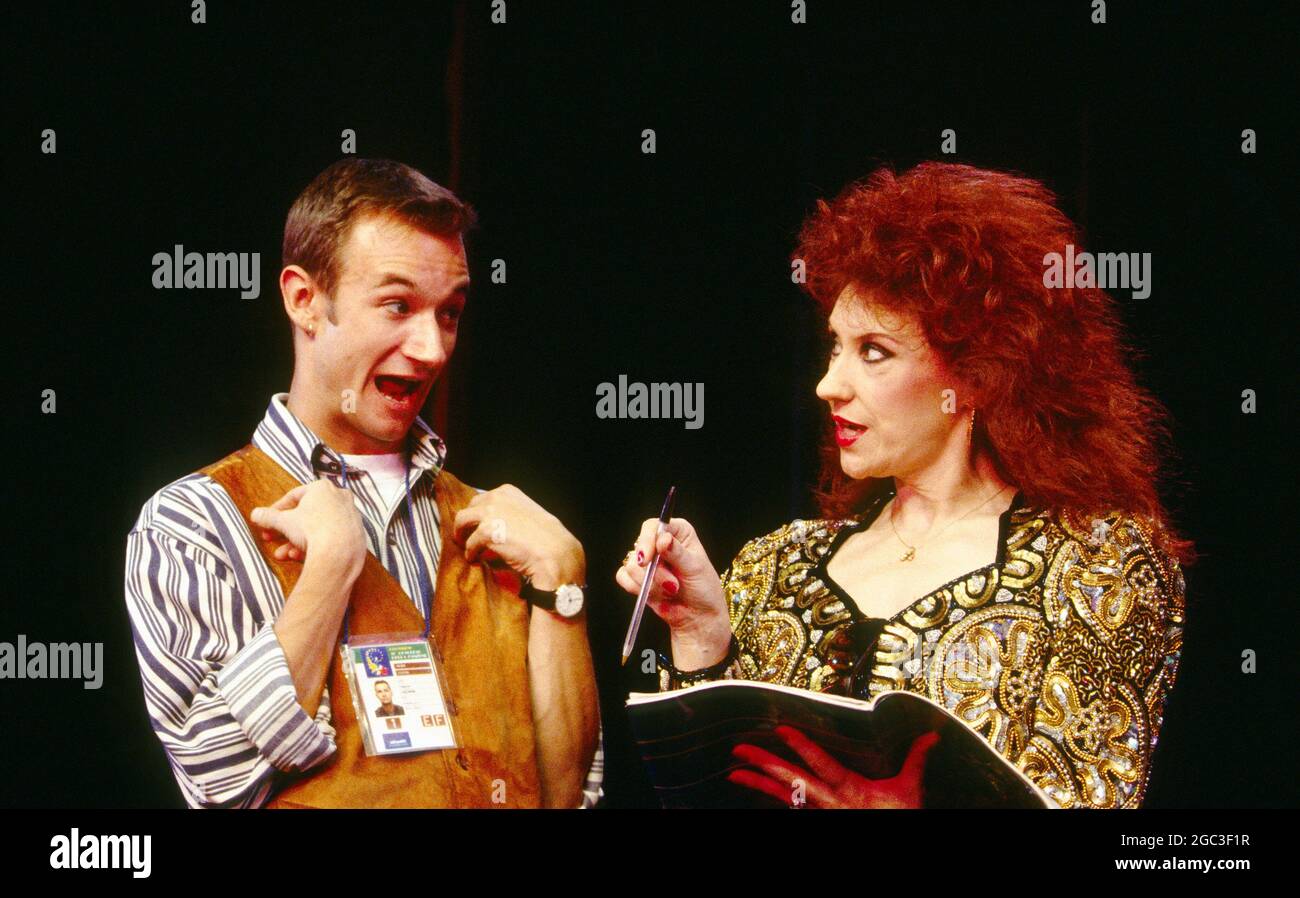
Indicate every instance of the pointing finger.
{"type": "Point", "coordinates": [291, 498]}
{"type": "Point", "coordinates": [645, 541]}
{"type": "Point", "coordinates": [466, 520]}
{"type": "Point", "coordinates": [268, 519]}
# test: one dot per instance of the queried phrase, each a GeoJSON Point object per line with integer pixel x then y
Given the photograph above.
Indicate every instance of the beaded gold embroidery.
{"type": "Point", "coordinates": [1061, 657]}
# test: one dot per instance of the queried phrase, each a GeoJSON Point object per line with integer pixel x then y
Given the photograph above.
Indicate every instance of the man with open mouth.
{"type": "Point", "coordinates": [340, 519]}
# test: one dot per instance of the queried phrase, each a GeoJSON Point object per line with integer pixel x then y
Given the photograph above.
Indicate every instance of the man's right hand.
{"type": "Point", "coordinates": [324, 530]}
{"type": "Point", "coordinates": [315, 517]}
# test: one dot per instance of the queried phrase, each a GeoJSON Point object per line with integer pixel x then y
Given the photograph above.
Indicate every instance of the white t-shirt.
{"type": "Point", "coordinates": [388, 471]}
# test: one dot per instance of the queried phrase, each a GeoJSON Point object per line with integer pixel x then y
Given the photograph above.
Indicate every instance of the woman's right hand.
{"type": "Point", "coordinates": [687, 592]}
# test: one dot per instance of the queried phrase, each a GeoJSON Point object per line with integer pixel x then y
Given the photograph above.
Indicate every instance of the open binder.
{"type": "Point", "coordinates": [685, 739]}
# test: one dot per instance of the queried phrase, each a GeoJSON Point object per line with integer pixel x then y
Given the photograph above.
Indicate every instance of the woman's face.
{"type": "Point", "coordinates": [885, 387]}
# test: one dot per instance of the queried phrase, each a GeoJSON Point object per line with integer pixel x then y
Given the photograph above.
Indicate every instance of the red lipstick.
{"type": "Point", "coordinates": [847, 432]}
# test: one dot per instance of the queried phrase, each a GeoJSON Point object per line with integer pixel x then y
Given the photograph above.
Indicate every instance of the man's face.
{"type": "Point", "coordinates": [383, 693]}
{"type": "Point", "coordinates": [398, 302]}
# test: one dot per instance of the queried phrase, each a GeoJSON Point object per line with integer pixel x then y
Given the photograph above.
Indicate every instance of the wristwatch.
{"type": "Point", "coordinates": [567, 601]}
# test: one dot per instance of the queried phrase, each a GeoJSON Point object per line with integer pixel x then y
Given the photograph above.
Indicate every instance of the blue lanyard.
{"type": "Point", "coordinates": [426, 591]}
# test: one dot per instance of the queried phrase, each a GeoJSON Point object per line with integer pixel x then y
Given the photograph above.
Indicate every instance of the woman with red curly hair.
{"type": "Point", "coordinates": [989, 493]}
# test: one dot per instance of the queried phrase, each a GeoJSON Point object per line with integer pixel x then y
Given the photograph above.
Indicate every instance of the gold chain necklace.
{"type": "Point", "coordinates": [911, 550]}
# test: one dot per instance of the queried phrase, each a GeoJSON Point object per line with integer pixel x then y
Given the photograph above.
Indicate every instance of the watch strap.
{"type": "Point", "coordinates": [541, 598]}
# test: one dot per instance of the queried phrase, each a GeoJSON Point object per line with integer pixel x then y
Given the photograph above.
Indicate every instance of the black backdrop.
{"type": "Point", "coordinates": [664, 267]}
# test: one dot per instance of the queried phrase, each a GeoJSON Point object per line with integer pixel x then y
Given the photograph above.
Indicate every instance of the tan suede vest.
{"type": "Point", "coordinates": [480, 628]}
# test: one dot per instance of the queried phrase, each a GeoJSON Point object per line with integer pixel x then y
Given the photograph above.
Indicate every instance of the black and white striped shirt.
{"type": "Point", "coordinates": [202, 602]}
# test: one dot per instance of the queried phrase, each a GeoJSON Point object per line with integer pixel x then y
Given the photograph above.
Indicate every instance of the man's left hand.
{"type": "Point", "coordinates": [504, 523]}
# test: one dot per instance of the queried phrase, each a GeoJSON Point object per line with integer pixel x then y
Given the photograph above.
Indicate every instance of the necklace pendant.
{"type": "Point", "coordinates": [908, 555]}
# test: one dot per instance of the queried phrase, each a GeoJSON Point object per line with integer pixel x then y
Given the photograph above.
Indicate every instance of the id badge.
{"type": "Point", "coordinates": [397, 693]}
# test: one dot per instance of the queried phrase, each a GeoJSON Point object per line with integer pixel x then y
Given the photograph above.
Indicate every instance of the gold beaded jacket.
{"type": "Point", "coordinates": [1060, 653]}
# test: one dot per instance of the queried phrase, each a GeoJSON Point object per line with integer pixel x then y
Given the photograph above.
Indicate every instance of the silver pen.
{"type": "Point", "coordinates": [630, 639]}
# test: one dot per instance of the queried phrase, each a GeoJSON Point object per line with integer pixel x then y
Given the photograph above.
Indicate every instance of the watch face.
{"type": "Point", "coordinates": [568, 600]}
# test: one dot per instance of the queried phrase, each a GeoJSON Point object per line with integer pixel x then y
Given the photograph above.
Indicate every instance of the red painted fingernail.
{"type": "Point", "coordinates": [670, 587]}
{"type": "Point", "coordinates": [640, 557]}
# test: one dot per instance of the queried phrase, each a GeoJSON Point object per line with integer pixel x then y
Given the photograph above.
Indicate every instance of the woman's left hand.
{"type": "Point", "coordinates": [828, 783]}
